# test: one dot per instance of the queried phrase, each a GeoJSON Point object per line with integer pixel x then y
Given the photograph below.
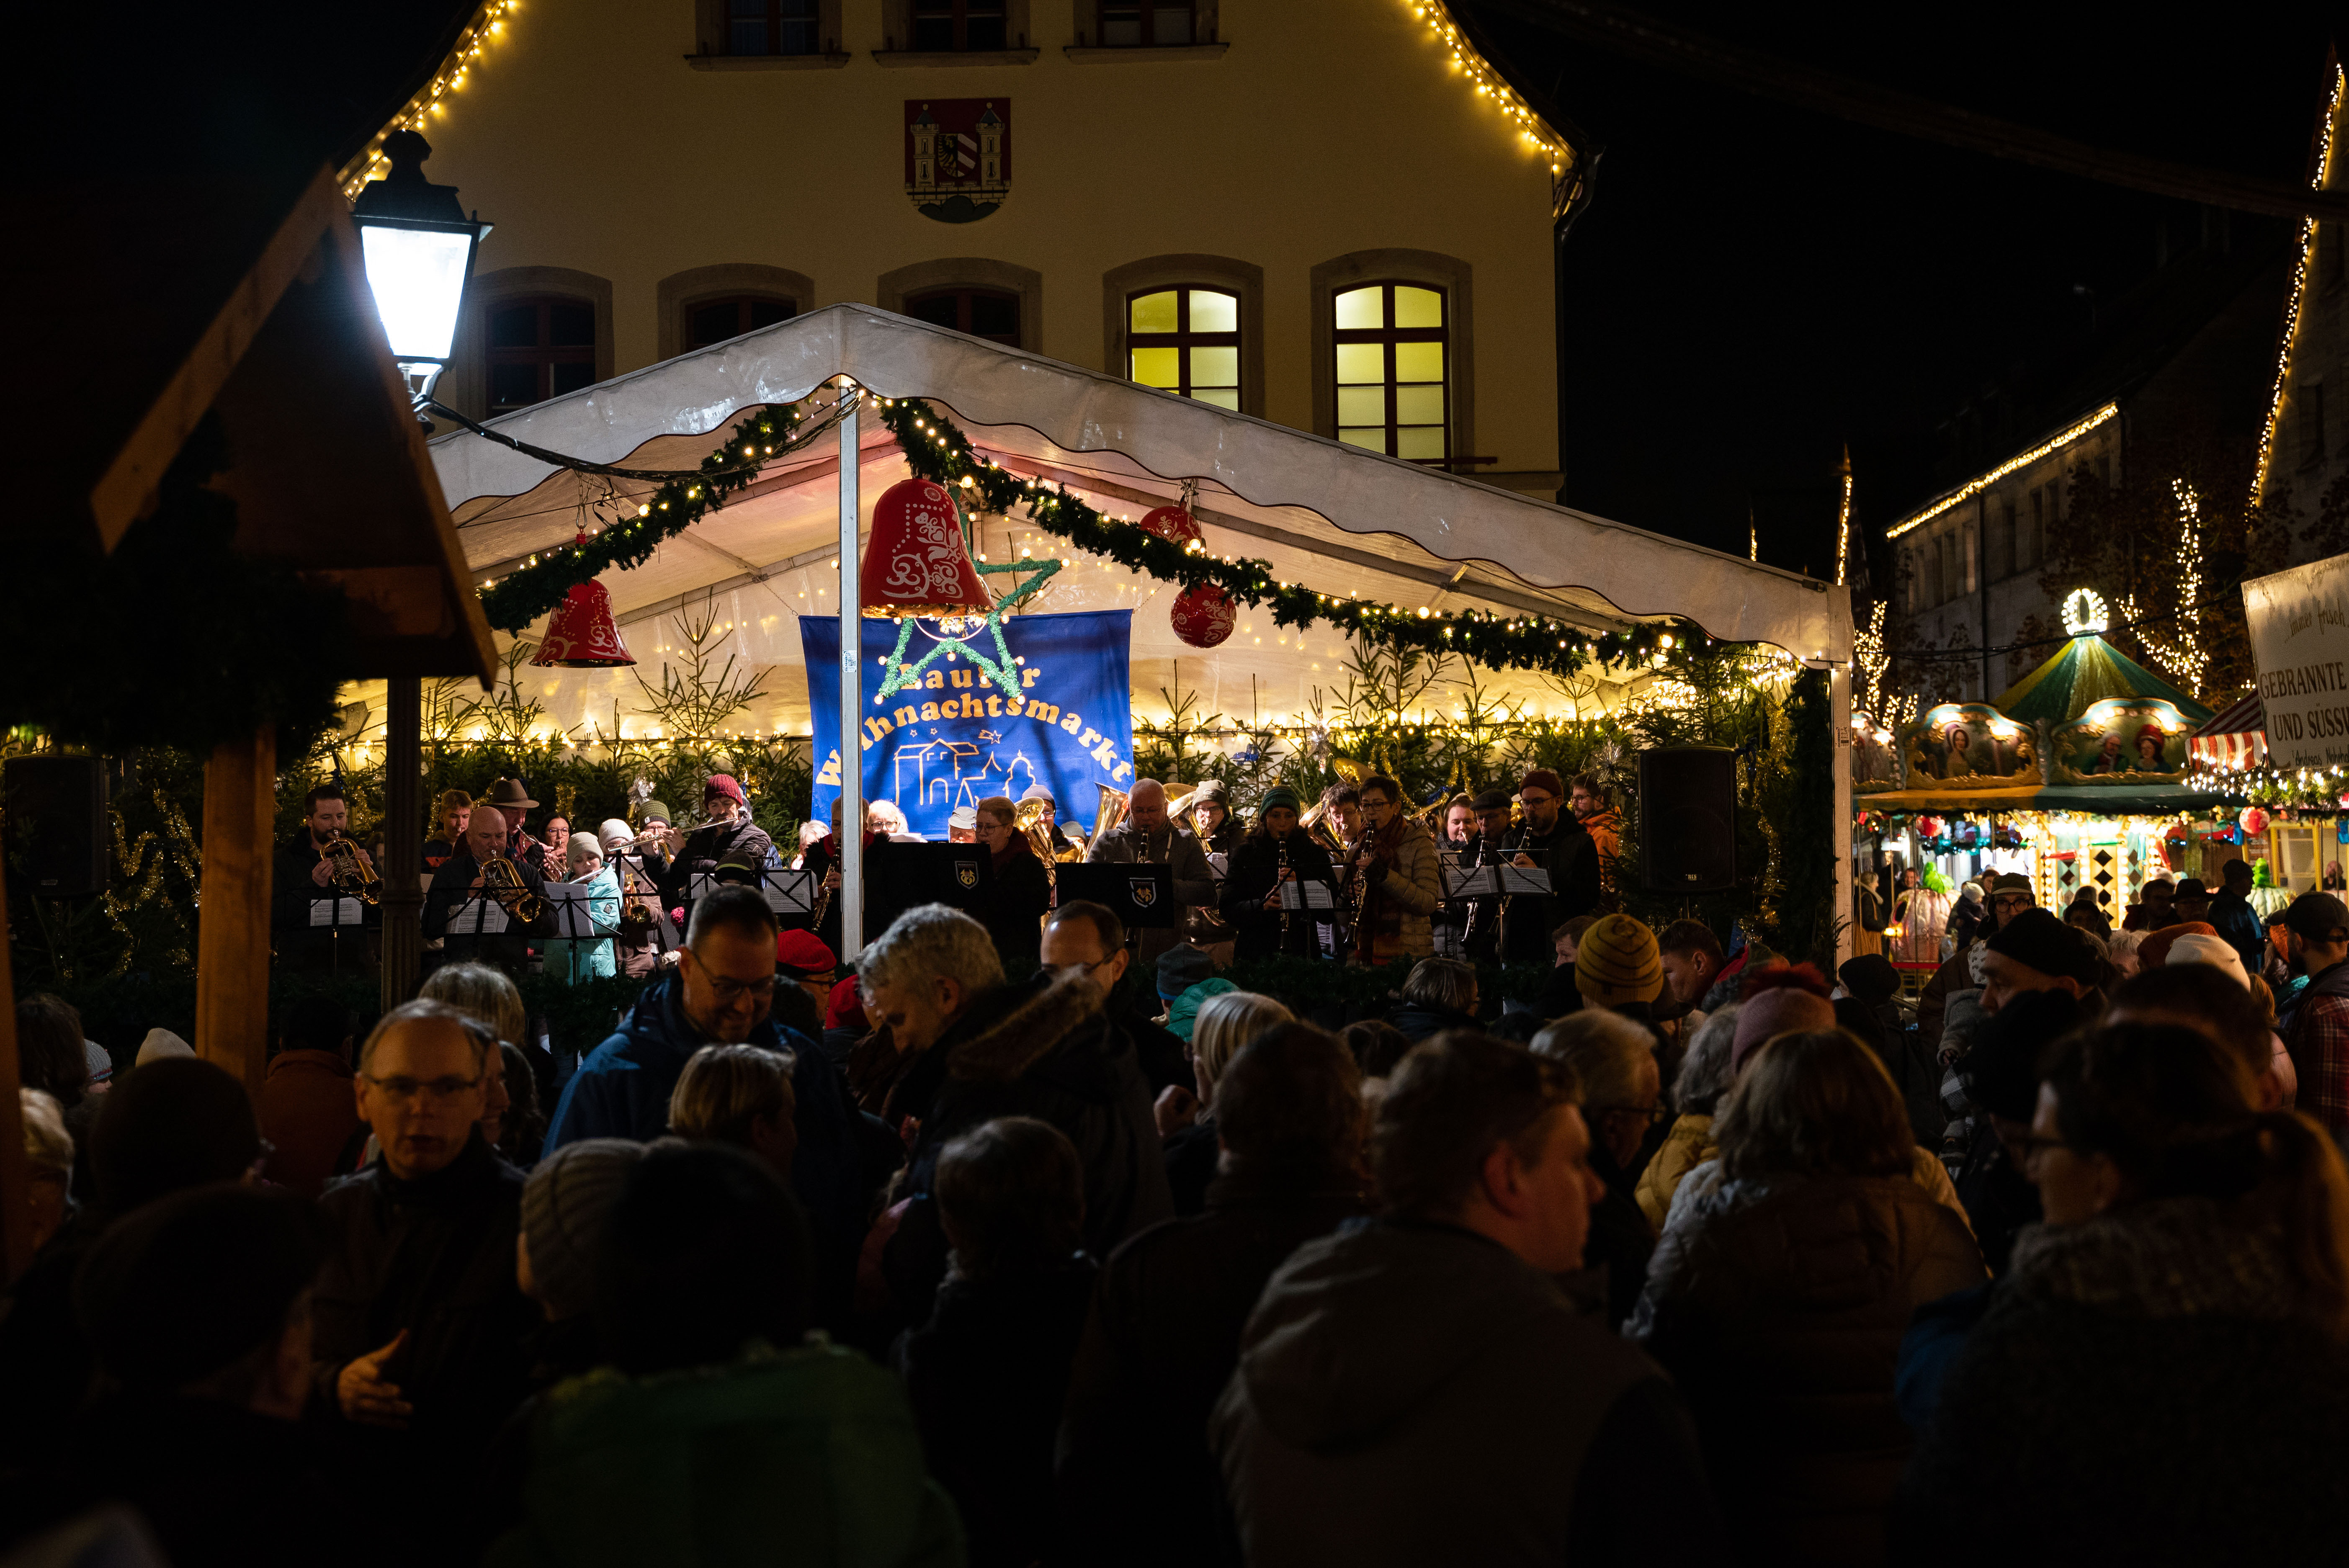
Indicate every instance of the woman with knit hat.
{"type": "Point", "coordinates": [1277, 851]}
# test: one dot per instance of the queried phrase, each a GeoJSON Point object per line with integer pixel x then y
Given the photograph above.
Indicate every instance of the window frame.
{"type": "Point", "coordinates": [543, 356]}
{"type": "Point", "coordinates": [1147, 14]}
{"type": "Point", "coordinates": [1417, 269]}
{"type": "Point", "coordinates": [493, 291]}
{"type": "Point", "coordinates": [774, 22]}
{"type": "Point", "coordinates": [1188, 269]}
{"type": "Point", "coordinates": [681, 294]}
{"type": "Point", "coordinates": [1182, 339]}
{"type": "Point", "coordinates": [713, 28]}
{"type": "Point", "coordinates": [741, 302]}
{"type": "Point", "coordinates": [963, 295]}
{"type": "Point", "coordinates": [895, 290]}
{"type": "Point", "coordinates": [1390, 339]}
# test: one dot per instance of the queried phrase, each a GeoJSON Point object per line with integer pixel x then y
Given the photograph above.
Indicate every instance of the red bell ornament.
{"type": "Point", "coordinates": [1203, 615]}
{"type": "Point", "coordinates": [1173, 523]}
{"type": "Point", "coordinates": [916, 563]}
{"type": "Point", "coordinates": [581, 633]}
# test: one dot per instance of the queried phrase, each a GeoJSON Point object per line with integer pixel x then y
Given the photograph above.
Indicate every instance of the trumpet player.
{"type": "Point", "coordinates": [459, 887]}
{"type": "Point", "coordinates": [725, 834]}
{"type": "Point", "coordinates": [302, 872]}
{"type": "Point", "coordinates": [1148, 837]}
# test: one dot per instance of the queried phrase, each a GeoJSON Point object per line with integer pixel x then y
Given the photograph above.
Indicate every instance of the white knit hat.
{"type": "Point", "coordinates": [160, 1043]}
{"type": "Point", "coordinates": [2194, 948]}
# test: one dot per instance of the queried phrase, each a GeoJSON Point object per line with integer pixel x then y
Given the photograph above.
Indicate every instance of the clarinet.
{"type": "Point", "coordinates": [1280, 847]}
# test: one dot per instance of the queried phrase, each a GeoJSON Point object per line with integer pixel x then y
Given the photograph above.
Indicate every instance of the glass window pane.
{"type": "Point", "coordinates": [984, 32]}
{"type": "Point", "coordinates": [1153, 312]}
{"type": "Point", "coordinates": [748, 38]}
{"type": "Point", "coordinates": [1362, 362]}
{"type": "Point", "coordinates": [1158, 367]}
{"type": "Point", "coordinates": [1418, 307]}
{"type": "Point", "coordinates": [938, 310]}
{"type": "Point", "coordinates": [1361, 405]}
{"type": "Point", "coordinates": [515, 326]}
{"type": "Point", "coordinates": [1420, 441]}
{"type": "Point", "coordinates": [572, 378]}
{"type": "Point", "coordinates": [1170, 26]}
{"type": "Point", "coordinates": [994, 316]}
{"type": "Point", "coordinates": [1213, 312]}
{"type": "Point", "coordinates": [1221, 397]}
{"type": "Point", "coordinates": [570, 325]}
{"type": "Point", "coordinates": [513, 386]}
{"type": "Point", "coordinates": [714, 322]}
{"type": "Point", "coordinates": [1118, 34]}
{"type": "Point", "coordinates": [1215, 366]}
{"type": "Point", "coordinates": [1419, 362]}
{"type": "Point", "coordinates": [767, 312]}
{"type": "Point", "coordinates": [1420, 405]}
{"type": "Point", "coordinates": [1360, 308]}
{"type": "Point", "coordinates": [1374, 437]}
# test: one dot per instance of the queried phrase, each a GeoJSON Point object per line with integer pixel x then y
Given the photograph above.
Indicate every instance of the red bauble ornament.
{"type": "Point", "coordinates": [581, 633]}
{"type": "Point", "coordinates": [914, 563]}
{"type": "Point", "coordinates": [1929, 827]}
{"type": "Point", "coordinates": [2253, 821]}
{"type": "Point", "coordinates": [1203, 615]}
{"type": "Point", "coordinates": [1173, 523]}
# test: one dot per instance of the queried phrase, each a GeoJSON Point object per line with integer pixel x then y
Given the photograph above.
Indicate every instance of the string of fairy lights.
{"type": "Point", "coordinates": [1489, 85]}
{"type": "Point", "coordinates": [488, 23]}
{"type": "Point", "coordinates": [2296, 297]}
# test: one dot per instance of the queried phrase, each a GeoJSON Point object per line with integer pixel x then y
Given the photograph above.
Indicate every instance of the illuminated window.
{"type": "Point", "coordinates": [958, 26]}
{"type": "Point", "coordinates": [1392, 342]}
{"type": "Point", "coordinates": [1187, 341]}
{"type": "Point", "coordinates": [539, 348]}
{"type": "Point", "coordinates": [716, 320]}
{"type": "Point", "coordinates": [772, 28]}
{"type": "Point", "coordinates": [1147, 24]}
{"type": "Point", "coordinates": [982, 312]}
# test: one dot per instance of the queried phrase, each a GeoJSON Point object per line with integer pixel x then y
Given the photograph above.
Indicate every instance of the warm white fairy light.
{"type": "Point", "coordinates": [489, 23]}
{"type": "Point", "coordinates": [1975, 486]}
{"type": "Point", "coordinates": [2299, 293]}
{"type": "Point", "coordinates": [2182, 654]}
{"type": "Point", "coordinates": [1489, 84]}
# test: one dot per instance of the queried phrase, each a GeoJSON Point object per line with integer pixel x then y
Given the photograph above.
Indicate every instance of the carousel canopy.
{"type": "Point", "coordinates": [2087, 670]}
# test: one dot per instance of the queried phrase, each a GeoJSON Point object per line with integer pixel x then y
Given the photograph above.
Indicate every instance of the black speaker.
{"type": "Point", "coordinates": [56, 814]}
{"type": "Point", "coordinates": [1688, 818]}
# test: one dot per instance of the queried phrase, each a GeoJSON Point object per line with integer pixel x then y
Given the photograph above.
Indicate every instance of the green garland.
{"type": "Point", "coordinates": [513, 601]}
{"type": "Point", "coordinates": [936, 451]}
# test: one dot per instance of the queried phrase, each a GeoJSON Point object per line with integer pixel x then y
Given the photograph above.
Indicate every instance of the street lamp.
{"type": "Point", "coordinates": [418, 247]}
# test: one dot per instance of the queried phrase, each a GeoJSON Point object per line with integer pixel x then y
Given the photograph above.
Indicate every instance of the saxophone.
{"type": "Point", "coordinates": [503, 881]}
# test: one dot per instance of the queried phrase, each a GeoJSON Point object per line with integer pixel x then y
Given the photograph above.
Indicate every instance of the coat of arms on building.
{"type": "Point", "coordinates": [957, 157]}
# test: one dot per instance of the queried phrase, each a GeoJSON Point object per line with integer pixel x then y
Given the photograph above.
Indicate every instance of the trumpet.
{"type": "Point", "coordinates": [502, 880]}
{"type": "Point", "coordinates": [1028, 818]}
{"type": "Point", "coordinates": [1113, 806]}
{"type": "Point", "coordinates": [351, 875]}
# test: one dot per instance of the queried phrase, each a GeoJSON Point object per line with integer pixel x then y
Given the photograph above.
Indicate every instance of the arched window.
{"type": "Point", "coordinates": [539, 347]}
{"type": "Point", "coordinates": [1392, 340]}
{"type": "Point", "coordinates": [991, 313]}
{"type": "Point", "coordinates": [1186, 340]}
{"type": "Point", "coordinates": [716, 320]}
{"type": "Point", "coordinates": [773, 27]}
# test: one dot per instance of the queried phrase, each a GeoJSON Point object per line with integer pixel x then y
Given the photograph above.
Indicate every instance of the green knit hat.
{"type": "Point", "coordinates": [1278, 795]}
{"type": "Point", "coordinates": [1617, 962]}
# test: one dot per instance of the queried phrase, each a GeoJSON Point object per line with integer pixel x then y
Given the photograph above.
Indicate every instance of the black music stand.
{"type": "Point", "coordinates": [787, 892]}
{"type": "Point", "coordinates": [1140, 895]}
{"type": "Point", "coordinates": [961, 876]}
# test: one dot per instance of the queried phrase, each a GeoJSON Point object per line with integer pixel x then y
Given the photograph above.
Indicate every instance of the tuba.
{"type": "Point", "coordinates": [1114, 803]}
{"type": "Point", "coordinates": [1028, 817]}
{"type": "Point", "coordinates": [1316, 823]}
{"type": "Point", "coordinates": [502, 880]}
{"type": "Point", "coordinates": [350, 875]}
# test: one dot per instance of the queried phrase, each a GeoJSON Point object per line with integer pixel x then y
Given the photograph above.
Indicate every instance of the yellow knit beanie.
{"type": "Point", "coordinates": [1617, 962]}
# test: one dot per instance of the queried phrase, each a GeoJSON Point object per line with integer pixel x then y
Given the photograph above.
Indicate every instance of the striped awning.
{"type": "Point", "coordinates": [2235, 737]}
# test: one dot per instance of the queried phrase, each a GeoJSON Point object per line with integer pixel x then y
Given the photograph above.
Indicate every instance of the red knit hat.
{"type": "Point", "coordinates": [845, 1010]}
{"type": "Point", "coordinates": [723, 784]}
{"type": "Point", "coordinates": [803, 955]}
{"type": "Point", "coordinates": [1542, 779]}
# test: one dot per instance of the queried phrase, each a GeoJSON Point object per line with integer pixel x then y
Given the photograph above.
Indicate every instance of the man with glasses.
{"type": "Point", "coordinates": [1047, 1047]}
{"type": "Point", "coordinates": [1149, 836]}
{"type": "Point", "coordinates": [1553, 840]}
{"type": "Point", "coordinates": [419, 1330]}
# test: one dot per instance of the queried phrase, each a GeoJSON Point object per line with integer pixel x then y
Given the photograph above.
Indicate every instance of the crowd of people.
{"type": "Point", "coordinates": [1694, 1254]}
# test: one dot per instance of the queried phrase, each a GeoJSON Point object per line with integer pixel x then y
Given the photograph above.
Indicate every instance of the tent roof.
{"type": "Point", "coordinates": [1336, 517]}
{"type": "Point", "coordinates": [2086, 670]}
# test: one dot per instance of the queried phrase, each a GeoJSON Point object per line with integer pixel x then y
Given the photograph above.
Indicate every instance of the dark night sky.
{"type": "Point", "coordinates": [1757, 283]}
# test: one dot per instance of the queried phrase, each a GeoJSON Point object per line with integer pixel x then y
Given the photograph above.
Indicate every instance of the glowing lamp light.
{"type": "Point", "coordinates": [2085, 615]}
{"type": "Point", "coordinates": [418, 247]}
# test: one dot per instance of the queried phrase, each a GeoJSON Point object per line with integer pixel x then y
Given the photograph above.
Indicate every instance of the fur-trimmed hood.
{"type": "Point", "coordinates": [1041, 1015]}
{"type": "Point", "coordinates": [2174, 1257]}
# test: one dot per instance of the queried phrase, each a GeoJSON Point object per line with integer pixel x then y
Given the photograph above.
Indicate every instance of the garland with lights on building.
{"type": "Point", "coordinates": [937, 451]}
{"type": "Point", "coordinates": [513, 601]}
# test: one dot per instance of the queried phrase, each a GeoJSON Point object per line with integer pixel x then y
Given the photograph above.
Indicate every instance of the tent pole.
{"type": "Point", "coordinates": [852, 693]}
{"type": "Point", "coordinates": [233, 935]}
{"type": "Point", "coordinates": [403, 838]}
{"type": "Point", "coordinates": [1839, 716]}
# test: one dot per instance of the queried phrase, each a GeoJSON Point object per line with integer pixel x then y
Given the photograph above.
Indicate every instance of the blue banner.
{"type": "Point", "coordinates": [956, 740]}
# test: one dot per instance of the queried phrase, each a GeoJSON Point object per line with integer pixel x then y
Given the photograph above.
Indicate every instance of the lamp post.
{"type": "Point", "coordinates": [418, 247]}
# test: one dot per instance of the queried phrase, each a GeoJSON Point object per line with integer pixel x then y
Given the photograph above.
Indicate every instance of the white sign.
{"type": "Point", "coordinates": [2299, 623]}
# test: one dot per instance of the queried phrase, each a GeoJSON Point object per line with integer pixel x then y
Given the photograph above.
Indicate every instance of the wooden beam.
{"type": "Point", "coordinates": [232, 931]}
{"type": "Point", "coordinates": [403, 840]}
{"type": "Point", "coordinates": [15, 1171]}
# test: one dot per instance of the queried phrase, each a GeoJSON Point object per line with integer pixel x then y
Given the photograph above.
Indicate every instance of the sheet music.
{"type": "Point", "coordinates": [786, 892]}
{"type": "Point", "coordinates": [326, 912]}
{"type": "Point", "coordinates": [1219, 862]}
{"type": "Point", "coordinates": [1520, 878]}
{"type": "Point", "coordinates": [1470, 882]}
{"type": "Point", "coordinates": [573, 915]}
{"type": "Point", "coordinates": [478, 917]}
{"type": "Point", "coordinates": [1307, 895]}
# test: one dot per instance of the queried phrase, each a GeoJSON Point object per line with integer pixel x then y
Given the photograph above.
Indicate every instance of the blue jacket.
{"type": "Point", "coordinates": [622, 1089]}
{"type": "Point", "coordinates": [2239, 927]}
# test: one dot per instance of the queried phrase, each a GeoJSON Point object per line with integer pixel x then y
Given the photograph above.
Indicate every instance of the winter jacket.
{"type": "Point", "coordinates": [309, 1114]}
{"type": "Point", "coordinates": [806, 1456]}
{"type": "Point", "coordinates": [2144, 1389]}
{"type": "Point", "coordinates": [1161, 1341]}
{"type": "Point", "coordinates": [621, 1090]}
{"type": "Point", "coordinates": [1413, 1393]}
{"type": "Point", "coordinates": [1418, 1020]}
{"type": "Point", "coordinates": [1407, 893]}
{"type": "Point", "coordinates": [1687, 1146]}
{"type": "Point", "coordinates": [435, 1257]}
{"type": "Point", "coordinates": [1568, 854]}
{"type": "Point", "coordinates": [713, 844]}
{"type": "Point", "coordinates": [454, 911]}
{"type": "Point", "coordinates": [1616, 1253]}
{"type": "Point", "coordinates": [1192, 1154]}
{"type": "Point", "coordinates": [1777, 1305]}
{"type": "Point", "coordinates": [985, 1376]}
{"type": "Point", "coordinates": [1045, 1049]}
{"type": "Point", "coordinates": [1606, 831]}
{"type": "Point", "coordinates": [1179, 851]}
{"type": "Point", "coordinates": [1999, 1199]}
{"type": "Point", "coordinates": [577, 958]}
{"type": "Point", "coordinates": [1255, 866]}
{"type": "Point", "coordinates": [2318, 1044]}
{"type": "Point", "coordinates": [2239, 927]}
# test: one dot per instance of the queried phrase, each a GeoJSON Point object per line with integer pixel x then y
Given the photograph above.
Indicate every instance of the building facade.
{"type": "Point", "coordinates": [2304, 453]}
{"type": "Point", "coordinates": [1334, 213]}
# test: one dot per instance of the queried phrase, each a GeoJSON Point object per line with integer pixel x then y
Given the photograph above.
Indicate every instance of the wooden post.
{"type": "Point", "coordinates": [403, 840]}
{"type": "Point", "coordinates": [232, 925]}
{"type": "Point", "coordinates": [15, 1171]}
